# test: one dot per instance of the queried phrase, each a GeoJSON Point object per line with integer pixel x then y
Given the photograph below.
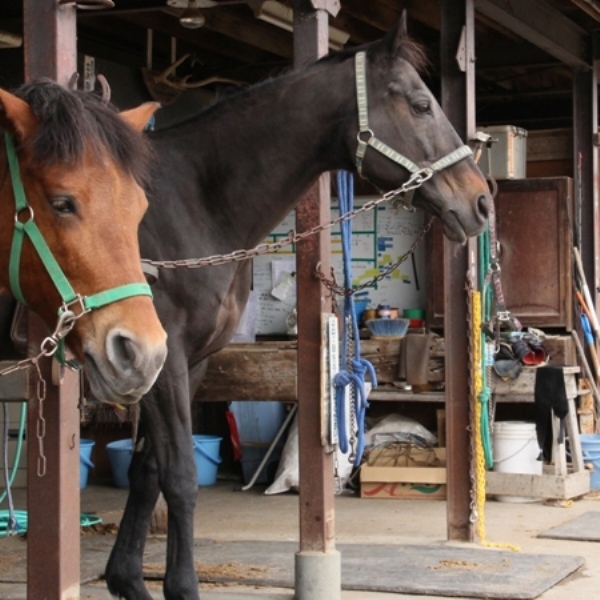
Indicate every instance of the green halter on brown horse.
{"type": "Point", "coordinates": [70, 204]}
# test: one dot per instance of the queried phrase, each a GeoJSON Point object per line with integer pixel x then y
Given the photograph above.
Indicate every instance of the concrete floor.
{"type": "Point", "coordinates": [225, 514]}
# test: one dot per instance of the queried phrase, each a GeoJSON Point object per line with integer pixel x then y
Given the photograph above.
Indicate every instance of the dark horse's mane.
{"type": "Point", "coordinates": [410, 50]}
{"type": "Point", "coordinates": [72, 121]}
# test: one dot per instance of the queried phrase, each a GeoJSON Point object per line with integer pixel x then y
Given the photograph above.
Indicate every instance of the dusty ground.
{"type": "Point", "coordinates": [225, 514]}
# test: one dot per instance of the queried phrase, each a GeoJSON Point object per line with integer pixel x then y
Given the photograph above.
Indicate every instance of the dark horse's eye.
{"type": "Point", "coordinates": [64, 205]}
{"type": "Point", "coordinates": [422, 107]}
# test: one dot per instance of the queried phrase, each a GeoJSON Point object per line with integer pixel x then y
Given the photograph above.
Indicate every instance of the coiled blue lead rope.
{"type": "Point", "coordinates": [352, 372]}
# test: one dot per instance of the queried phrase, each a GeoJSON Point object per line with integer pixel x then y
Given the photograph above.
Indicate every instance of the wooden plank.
{"type": "Point", "coordinates": [17, 386]}
{"type": "Point", "coordinates": [543, 26]}
{"type": "Point", "coordinates": [525, 383]}
{"type": "Point", "coordinates": [253, 371]}
{"type": "Point", "coordinates": [403, 474]}
{"type": "Point", "coordinates": [550, 144]}
{"type": "Point", "coordinates": [538, 486]}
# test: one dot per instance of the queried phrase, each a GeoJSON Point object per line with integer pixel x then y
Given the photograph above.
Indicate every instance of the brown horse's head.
{"type": "Point", "coordinates": [406, 117]}
{"type": "Point", "coordinates": [82, 165]}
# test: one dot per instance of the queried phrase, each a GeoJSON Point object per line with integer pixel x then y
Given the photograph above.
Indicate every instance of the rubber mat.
{"type": "Point", "coordinates": [441, 570]}
{"type": "Point", "coordinates": [584, 528]}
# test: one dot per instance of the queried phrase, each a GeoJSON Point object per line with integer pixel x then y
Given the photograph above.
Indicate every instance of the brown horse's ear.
{"type": "Point", "coordinates": [394, 37]}
{"type": "Point", "coordinates": [138, 117]}
{"type": "Point", "coordinates": [16, 116]}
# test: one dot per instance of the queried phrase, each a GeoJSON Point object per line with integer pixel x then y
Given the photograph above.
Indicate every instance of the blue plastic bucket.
{"type": "Point", "coordinates": [206, 455]}
{"type": "Point", "coordinates": [590, 448]}
{"type": "Point", "coordinates": [119, 455]}
{"type": "Point", "coordinates": [85, 455]}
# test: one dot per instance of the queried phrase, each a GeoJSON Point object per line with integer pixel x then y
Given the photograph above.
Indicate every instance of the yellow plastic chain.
{"type": "Point", "coordinates": [480, 471]}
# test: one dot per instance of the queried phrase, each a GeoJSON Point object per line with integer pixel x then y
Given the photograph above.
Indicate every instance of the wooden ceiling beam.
{"type": "Point", "coordinates": [543, 26]}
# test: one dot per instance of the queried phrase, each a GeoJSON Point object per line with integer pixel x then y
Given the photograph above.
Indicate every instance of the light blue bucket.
{"type": "Point", "coordinates": [590, 448]}
{"type": "Point", "coordinates": [85, 454]}
{"type": "Point", "coordinates": [206, 455]}
{"type": "Point", "coordinates": [119, 455]}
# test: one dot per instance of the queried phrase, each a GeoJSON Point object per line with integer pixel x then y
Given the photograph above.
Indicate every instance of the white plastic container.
{"type": "Point", "coordinates": [516, 450]}
{"type": "Point", "coordinates": [507, 156]}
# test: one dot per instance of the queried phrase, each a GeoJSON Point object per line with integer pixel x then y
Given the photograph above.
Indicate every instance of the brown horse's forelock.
{"type": "Point", "coordinates": [73, 122]}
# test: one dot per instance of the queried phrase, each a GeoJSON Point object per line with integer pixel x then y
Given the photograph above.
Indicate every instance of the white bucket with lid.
{"type": "Point", "coordinates": [516, 450]}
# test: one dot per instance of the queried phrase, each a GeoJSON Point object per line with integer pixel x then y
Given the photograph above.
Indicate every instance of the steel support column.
{"type": "Point", "coordinates": [458, 102]}
{"type": "Point", "coordinates": [53, 538]}
{"type": "Point", "coordinates": [318, 568]}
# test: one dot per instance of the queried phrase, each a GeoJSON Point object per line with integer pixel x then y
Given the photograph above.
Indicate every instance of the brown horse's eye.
{"type": "Point", "coordinates": [422, 107]}
{"type": "Point", "coordinates": [63, 205]}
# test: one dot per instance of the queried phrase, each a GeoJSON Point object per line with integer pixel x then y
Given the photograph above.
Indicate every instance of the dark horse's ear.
{"type": "Point", "coordinates": [394, 37]}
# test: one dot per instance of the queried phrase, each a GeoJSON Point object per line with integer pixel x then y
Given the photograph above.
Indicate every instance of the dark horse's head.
{"type": "Point", "coordinates": [405, 116]}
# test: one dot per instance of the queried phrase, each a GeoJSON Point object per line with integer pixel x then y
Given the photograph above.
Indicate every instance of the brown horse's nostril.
{"type": "Point", "coordinates": [123, 352]}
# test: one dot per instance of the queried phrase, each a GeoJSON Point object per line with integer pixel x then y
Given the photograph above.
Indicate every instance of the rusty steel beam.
{"type": "Point", "coordinates": [317, 564]}
{"type": "Point", "coordinates": [53, 499]}
{"type": "Point", "coordinates": [458, 102]}
{"type": "Point", "coordinates": [316, 467]}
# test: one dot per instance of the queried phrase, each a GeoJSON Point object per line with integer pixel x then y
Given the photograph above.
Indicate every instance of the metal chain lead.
{"type": "Point", "coordinates": [415, 181]}
{"type": "Point", "coordinates": [48, 347]}
{"type": "Point", "coordinates": [340, 290]}
{"type": "Point", "coordinates": [41, 422]}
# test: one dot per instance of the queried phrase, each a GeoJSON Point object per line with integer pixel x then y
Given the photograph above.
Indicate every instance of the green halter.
{"type": "Point", "coordinates": [69, 297]}
{"type": "Point", "coordinates": [367, 138]}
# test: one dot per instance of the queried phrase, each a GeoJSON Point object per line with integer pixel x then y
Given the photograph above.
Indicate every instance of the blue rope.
{"type": "Point", "coordinates": [358, 367]}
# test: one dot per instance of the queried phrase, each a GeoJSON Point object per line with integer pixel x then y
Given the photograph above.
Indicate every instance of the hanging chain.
{"type": "Point", "coordinates": [415, 181]}
{"type": "Point", "coordinates": [340, 290]}
{"type": "Point", "coordinates": [41, 422]}
{"type": "Point", "coordinates": [48, 347]}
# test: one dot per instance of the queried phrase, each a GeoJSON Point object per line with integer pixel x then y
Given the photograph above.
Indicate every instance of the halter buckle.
{"type": "Point", "coordinates": [76, 307]}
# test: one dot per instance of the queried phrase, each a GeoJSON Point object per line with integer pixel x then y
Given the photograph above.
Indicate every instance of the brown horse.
{"type": "Point", "coordinates": [72, 172]}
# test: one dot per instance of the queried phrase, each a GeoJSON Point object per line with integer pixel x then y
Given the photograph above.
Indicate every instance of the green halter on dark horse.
{"type": "Point", "coordinates": [225, 179]}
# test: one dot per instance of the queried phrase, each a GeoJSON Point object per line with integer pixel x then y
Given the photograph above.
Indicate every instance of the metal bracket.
{"type": "Point", "coordinates": [461, 52]}
{"type": "Point", "coordinates": [333, 7]}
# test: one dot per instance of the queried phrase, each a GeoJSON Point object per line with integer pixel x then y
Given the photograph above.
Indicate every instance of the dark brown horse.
{"type": "Point", "coordinates": [71, 199]}
{"type": "Point", "coordinates": [226, 178]}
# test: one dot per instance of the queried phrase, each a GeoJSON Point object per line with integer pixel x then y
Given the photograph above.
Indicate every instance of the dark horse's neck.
{"type": "Point", "coordinates": [255, 154]}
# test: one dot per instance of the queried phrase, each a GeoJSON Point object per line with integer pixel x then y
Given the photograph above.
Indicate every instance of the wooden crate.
{"type": "Point", "coordinates": [422, 474]}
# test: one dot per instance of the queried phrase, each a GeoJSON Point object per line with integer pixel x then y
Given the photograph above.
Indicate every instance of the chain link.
{"type": "Point", "coordinates": [415, 180]}
{"type": "Point", "coordinates": [340, 290]}
{"type": "Point", "coordinates": [48, 347]}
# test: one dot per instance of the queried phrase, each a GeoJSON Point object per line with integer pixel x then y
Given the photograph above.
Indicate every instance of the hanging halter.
{"type": "Point", "coordinates": [74, 305]}
{"type": "Point", "coordinates": [367, 138]}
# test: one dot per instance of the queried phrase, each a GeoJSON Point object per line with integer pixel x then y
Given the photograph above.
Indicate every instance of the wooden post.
{"type": "Point", "coordinates": [318, 566]}
{"type": "Point", "coordinates": [53, 539]}
{"type": "Point", "coordinates": [458, 102]}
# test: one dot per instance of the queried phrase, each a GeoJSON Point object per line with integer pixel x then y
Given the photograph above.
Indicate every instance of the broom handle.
{"type": "Point", "coordinates": [586, 294]}
{"type": "Point", "coordinates": [587, 367]}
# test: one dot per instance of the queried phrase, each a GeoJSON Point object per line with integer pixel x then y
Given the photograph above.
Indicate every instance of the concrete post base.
{"type": "Point", "coordinates": [318, 575]}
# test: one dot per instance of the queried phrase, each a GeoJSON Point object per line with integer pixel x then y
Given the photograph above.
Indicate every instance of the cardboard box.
{"type": "Point", "coordinates": [403, 491]}
{"type": "Point", "coordinates": [398, 472]}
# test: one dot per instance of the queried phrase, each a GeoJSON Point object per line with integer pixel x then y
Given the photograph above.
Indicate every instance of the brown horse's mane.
{"type": "Point", "coordinates": [72, 122]}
